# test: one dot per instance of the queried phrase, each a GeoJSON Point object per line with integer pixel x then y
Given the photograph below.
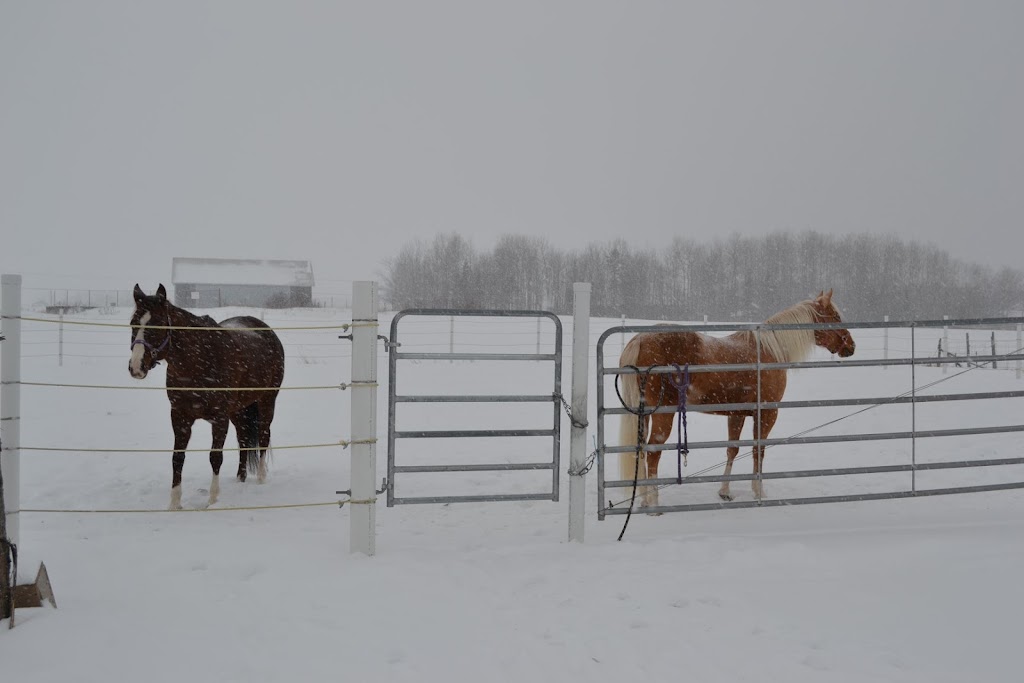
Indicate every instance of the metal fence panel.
{"type": "Point", "coordinates": [913, 399]}
{"type": "Point", "coordinates": [554, 398]}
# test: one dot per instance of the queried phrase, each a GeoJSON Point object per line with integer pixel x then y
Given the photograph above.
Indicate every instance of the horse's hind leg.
{"type": "Point", "coordinates": [661, 428]}
{"type": "Point", "coordinates": [220, 434]}
{"type": "Point", "coordinates": [266, 416]}
{"type": "Point", "coordinates": [735, 429]}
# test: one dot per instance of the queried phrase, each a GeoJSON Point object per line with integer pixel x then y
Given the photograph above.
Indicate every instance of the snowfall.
{"type": "Point", "coordinates": [919, 589]}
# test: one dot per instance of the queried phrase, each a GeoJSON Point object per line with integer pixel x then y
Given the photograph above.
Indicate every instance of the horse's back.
{"type": "Point", "coordinates": [257, 338]}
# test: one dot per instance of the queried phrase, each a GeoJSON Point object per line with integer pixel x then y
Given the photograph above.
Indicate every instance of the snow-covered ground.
{"type": "Point", "coordinates": [910, 590]}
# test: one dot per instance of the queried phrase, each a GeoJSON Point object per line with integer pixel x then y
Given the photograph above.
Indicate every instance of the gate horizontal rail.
{"type": "Point", "coordinates": [848, 498]}
{"type": "Point", "coordinates": [836, 438]}
{"type": "Point", "coordinates": [829, 472]}
{"type": "Point", "coordinates": [830, 403]}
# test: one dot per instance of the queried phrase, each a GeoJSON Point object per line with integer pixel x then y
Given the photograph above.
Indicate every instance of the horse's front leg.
{"type": "Point", "coordinates": [735, 429]}
{"type": "Point", "coordinates": [761, 431]}
{"type": "Point", "coordinates": [182, 426]}
{"type": "Point", "coordinates": [220, 434]}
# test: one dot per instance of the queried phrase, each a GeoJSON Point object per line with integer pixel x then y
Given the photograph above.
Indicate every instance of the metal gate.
{"type": "Point", "coordinates": [554, 397]}
{"type": "Point", "coordinates": [912, 397]}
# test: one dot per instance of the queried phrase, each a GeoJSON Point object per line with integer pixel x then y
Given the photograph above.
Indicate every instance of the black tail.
{"type": "Point", "coordinates": [247, 429]}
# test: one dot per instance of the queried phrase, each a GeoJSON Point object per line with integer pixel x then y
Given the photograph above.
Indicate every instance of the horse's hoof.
{"type": "Point", "coordinates": [241, 477]}
{"type": "Point", "coordinates": [655, 514]}
{"type": "Point", "coordinates": [725, 496]}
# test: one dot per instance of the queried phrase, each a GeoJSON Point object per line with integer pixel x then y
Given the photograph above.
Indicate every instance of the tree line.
{"type": "Point", "coordinates": [733, 279]}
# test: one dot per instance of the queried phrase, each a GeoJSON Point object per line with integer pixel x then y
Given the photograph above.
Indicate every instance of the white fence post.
{"type": "Point", "coordinates": [10, 400]}
{"type": "Point", "coordinates": [60, 340]}
{"type": "Point", "coordinates": [363, 508]}
{"type": "Point", "coordinates": [578, 434]}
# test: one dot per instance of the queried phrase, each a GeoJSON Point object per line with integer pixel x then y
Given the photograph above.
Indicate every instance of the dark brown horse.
{"type": "Point", "coordinates": [740, 386]}
{"type": "Point", "coordinates": [227, 372]}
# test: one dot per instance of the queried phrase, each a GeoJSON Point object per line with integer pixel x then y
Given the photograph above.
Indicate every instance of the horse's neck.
{"type": "Point", "coordinates": [183, 339]}
{"type": "Point", "coordinates": [789, 346]}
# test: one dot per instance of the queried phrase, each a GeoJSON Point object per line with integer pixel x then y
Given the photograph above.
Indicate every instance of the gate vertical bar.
{"type": "Point", "coordinates": [10, 401]}
{"type": "Point", "coordinates": [758, 454]}
{"type": "Point", "coordinates": [60, 340]}
{"type": "Point", "coordinates": [578, 435]}
{"type": "Point", "coordinates": [913, 410]}
{"type": "Point", "coordinates": [363, 513]}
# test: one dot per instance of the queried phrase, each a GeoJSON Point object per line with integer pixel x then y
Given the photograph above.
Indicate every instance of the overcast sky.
{"type": "Point", "coordinates": [131, 132]}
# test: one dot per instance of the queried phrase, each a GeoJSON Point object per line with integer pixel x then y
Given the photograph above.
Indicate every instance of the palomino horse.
{"type": "Point", "coordinates": [693, 348]}
{"type": "Point", "coordinates": [218, 373]}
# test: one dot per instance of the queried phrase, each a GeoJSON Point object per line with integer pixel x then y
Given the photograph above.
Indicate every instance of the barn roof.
{"type": "Point", "coordinates": [226, 271]}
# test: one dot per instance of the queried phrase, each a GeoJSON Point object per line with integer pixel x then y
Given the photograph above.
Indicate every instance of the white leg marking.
{"type": "Point", "coordinates": [724, 491]}
{"type": "Point", "coordinates": [175, 498]}
{"type": "Point", "coordinates": [138, 350]}
{"type": "Point", "coordinates": [214, 489]}
{"type": "Point", "coordinates": [261, 470]}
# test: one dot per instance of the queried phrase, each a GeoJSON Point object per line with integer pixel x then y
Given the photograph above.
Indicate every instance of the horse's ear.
{"type": "Point", "coordinates": [138, 294]}
{"type": "Point", "coordinates": [828, 297]}
{"type": "Point", "coordinates": [161, 292]}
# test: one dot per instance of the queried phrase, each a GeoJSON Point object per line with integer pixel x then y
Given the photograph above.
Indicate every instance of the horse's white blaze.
{"type": "Point", "coordinates": [138, 350]}
{"type": "Point", "coordinates": [175, 498]}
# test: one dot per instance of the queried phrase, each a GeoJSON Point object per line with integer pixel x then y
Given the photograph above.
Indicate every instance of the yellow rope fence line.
{"type": "Point", "coordinates": [338, 503]}
{"type": "Point", "coordinates": [346, 326]}
{"type": "Point", "coordinates": [55, 449]}
{"type": "Point", "coordinates": [342, 386]}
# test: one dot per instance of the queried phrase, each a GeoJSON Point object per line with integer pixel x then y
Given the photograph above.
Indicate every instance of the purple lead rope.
{"type": "Point", "coordinates": [682, 447]}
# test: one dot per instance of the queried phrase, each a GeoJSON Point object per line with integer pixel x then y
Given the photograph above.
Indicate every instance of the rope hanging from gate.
{"type": "Point", "coordinates": [642, 377]}
{"type": "Point", "coordinates": [682, 447]}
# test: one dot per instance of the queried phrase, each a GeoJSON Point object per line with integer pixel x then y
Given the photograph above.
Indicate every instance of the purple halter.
{"type": "Point", "coordinates": [154, 349]}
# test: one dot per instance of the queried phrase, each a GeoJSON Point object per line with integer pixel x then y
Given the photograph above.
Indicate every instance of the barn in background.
{"type": "Point", "coordinates": [213, 282]}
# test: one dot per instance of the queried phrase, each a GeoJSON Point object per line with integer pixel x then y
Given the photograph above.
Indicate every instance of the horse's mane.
{"type": "Point", "coordinates": [790, 346]}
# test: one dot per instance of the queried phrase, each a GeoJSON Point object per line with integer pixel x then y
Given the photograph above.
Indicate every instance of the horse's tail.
{"type": "Point", "coordinates": [629, 388]}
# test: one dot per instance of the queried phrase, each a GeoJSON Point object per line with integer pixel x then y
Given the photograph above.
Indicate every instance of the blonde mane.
{"type": "Point", "coordinates": [790, 346]}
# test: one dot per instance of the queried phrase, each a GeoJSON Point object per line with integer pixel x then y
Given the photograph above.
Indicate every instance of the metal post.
{"type": "Point", "coordinates": [538, 336]}
{"type": "Point", "coordinates": [60, 340]}
{"type": "Point", "coordinates": [885, 342]}
{"type": "Point", "coordinates": [967, 336]}
{"type": "Point", "coordinates": [451, 335]}
{"type": "Point", "coordinates": [363, 512]}
{"type": "Point", "coordinates": [10, 400]}
{"type": "Point", "coordinates": [994, 365]}
{"type": "Point", "coordinates": [945, 345]}
{"type": "Point", "coordinates": [578, 435]}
